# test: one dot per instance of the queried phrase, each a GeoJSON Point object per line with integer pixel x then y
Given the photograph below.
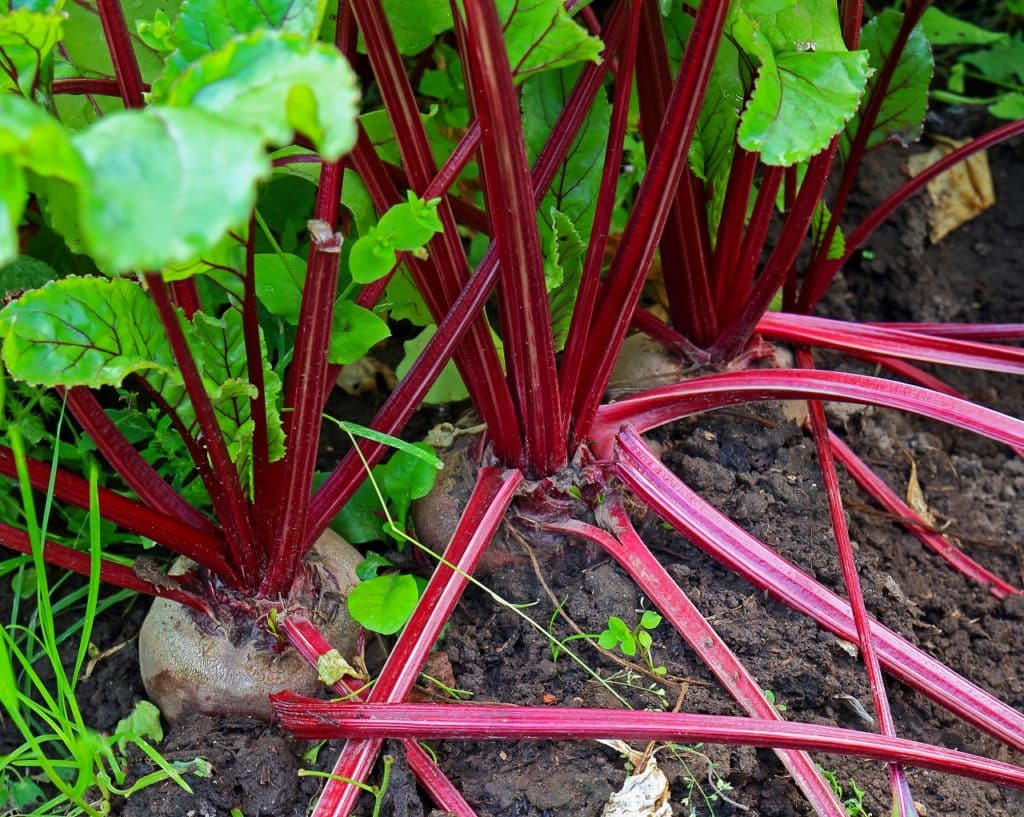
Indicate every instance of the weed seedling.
{"type": "Point", "coordinates": [633, 641]}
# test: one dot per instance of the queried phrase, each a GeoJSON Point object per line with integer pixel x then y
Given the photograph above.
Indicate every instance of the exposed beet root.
{"type": "Point", "coordinates": [229, 664]}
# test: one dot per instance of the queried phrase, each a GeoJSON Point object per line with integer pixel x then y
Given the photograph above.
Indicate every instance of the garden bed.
{"type": "Point", "coordinates": [759, 468]}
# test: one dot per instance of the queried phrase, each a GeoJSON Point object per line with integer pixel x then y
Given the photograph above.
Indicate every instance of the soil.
{"type": "Point", "coordinates": [760, 469]}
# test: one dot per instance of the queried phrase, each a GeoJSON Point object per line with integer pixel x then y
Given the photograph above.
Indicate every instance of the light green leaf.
{"type": "Point", "coordinates": [819, 223]}
{"type": "Point", "coordinates": [945, 29]}
{"type": "Point", "coordinates": [354, 331]}
{"type": "Point", "coordinates": [27, 37]}
{"type": "Point", "coordinates": [808, 85]}
{"type": "Point", "coordinates": [277, 84]}
{"type": "Point", "coordinates": [562, 40]}
{"type": "Point", "coordinates": [142, 722]}
{"type": "Point", "coordinates": [36, 141]}
{"type": "Point", "coordinates": [205, 26]}
{"type": "Point", "coordinates": [404, 227]}
{"type": "Point", "coordinates": [13, 195]}
{"type": "Point", "coordinates": [165, 186]}
{"type": "Point", "coordinates": [83, 332]}
{"type": "Point", "coordinates": [384, 604]}
{"type": "Point", "coordinates": [906, 102]}
{"type": "Point", "coordinates": [420, 451]}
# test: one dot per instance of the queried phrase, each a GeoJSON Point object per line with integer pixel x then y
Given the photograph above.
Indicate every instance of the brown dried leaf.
{"type": "Point", "coordinates": [958, 195]}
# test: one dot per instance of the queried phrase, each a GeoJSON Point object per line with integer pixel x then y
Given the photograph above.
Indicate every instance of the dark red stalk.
{"type": "Point", "coordinates": [881, 340]}
{"type": "Point", "coordinates": [666, 166]}
{"type": "Point", "coordinates": [404, 400]}
{"type": "Point", "coordinates": [402, 403]}
{"type": "Point", "coordinates": [727, 271]}
{"type": "Point", "coordinates": [478, 360]}
{"type": "Point", "coordinates": [817, 279]}
{"type": "Point", "coordinates": [491, 396]}
{"type": "Point", "coordinates": [874, 220]}
{"type": "Point", "coordinates": [523, 305]}
{"type": "Point", "coordinates": [903, 802]}
{"type": "Point", "coordinates": [195, 450]}
{"type": "Point", "coordinates": [590, 278]}
{"type": "Point", "coordinates": [659, 406]}
{"type": "Point", "coordinates": [780, 263]}
{"type": "Point", "coordinates": [484, 512]}
{"type": "Point", "coordinates": [316, 719]}
{"type": "Point", "coordinates": [258, 403]}
{"type": "Point", "coordinates": [754, 237]}
{"type": "Point", "coordinates": [737, 550]}
{"type": "Point", "coordinates": [685, 243]}
{"type": "Point", "coordinates": [119, 44]}
{"type": "Point", "coordinates": [227, 498]}
{"type": "Point", "coordinates": [937, 542]}
{"type": "Point", "coordinates": [199, 545]}
{"type": "Point", "coordinates": [311, 645]}
{"type": "Point", "coordinates": [851, 13]}
{"type": "Point", "coordinates": [138, 474]}
{"type": "Point", "coordinates": [80, 562]}
{"type": "Point", "coordinates": [303, 402]}
{"type": "Point", "coordinates": [635, 558]}
{"type": "Point", "coordinates": [80, 86]}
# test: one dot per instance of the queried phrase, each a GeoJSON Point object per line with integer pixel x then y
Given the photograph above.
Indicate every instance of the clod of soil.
{"type": "Point", "coordinates": [229, 664]}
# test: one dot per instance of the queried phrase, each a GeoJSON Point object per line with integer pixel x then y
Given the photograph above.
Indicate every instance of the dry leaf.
{"type": "Point", "coordinates": [360, 377]}
{"type": "Point", "coordinates": [644, 794]}
{"type": "Point", "coordinates": [915, 496]}
{"type": "Point", "coordinates": [958, 195]}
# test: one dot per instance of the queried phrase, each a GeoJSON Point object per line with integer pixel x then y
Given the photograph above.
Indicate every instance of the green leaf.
{"type": "Point", "coordinates": [567, 250]}
{"type": "Point", "coordinates": [574, 190]}
{"type": "Point", "coordinates": [371, 565]}
{"type": "Point", "coordinates": [419, 451]}
{"type": "Point", "coordinates": [83, 332]}
{"type": "Point", "coordinates": [1008, 106]}
{"type": "Point", "coordinates": [36, 141]}
{"type": "Point", "coordinates": [415, 23]}
{"type": "Point", "coordinates": [562, 40]}
{"type": "Point", "coordinates": [13, 195]}
{"type": "Point", "coordinates": [142, 722]}
{"type": "Point", "coordinates": [650, 620]}
{"type": "Point", "coordinates": [204, 26]}
{"type": "Point", "coordinates": [945, 29]}
{"type": "Point", "coordinates": [1002, 64]}
{"type": "Point", "coordinates": [406, 477]}
{"type": "Point", "coordinates": [354, 331]}
{"type": "Point", "coordinates": [277, 83]}
{"type": "Point", "coordinates": [24, 272]}
{"type": "Point", "coordinates": [279, 283]}
{"type": "Point", "coordinates": [165, 185]}
{"type": "Point", "coordinates": [362, 518]}
{"type": "Point", "coordinates": [808, 85]}
{"type": "Point", "coordinates": [819, 223]}
{"type": "Point", "coordinates": [448, 388]}
{"type": "Point", "coordinates": [405, 301]}
{"type": "Point", "coordinates": [27, 37]}
{"type": "Point", "coordinates": [384, 604]}
{"type": "Point", "coordinates": [404, 227]}
{"type": "Point", "coordinates": [906, 102]}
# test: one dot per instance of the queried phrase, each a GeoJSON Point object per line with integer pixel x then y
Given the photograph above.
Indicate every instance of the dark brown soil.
{"type": "Point", "coordinates": [761, 470]}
